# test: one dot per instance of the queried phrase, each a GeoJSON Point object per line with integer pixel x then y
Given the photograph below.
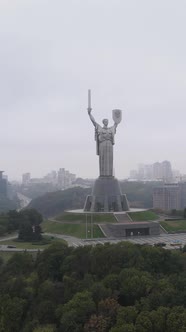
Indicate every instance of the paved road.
{"type": "Point", "coordinates": [166, 238]}
{"type": "Point", "coordinates": [24, 200]}
{"type": "Point", "coordinates": [72, 241]}
{"type": "Point", "coordinates": [4, 247]}
{"type": "Point", "coordinates": [7, 238]}
{"type": "Point", "coordinates": [75, 242]}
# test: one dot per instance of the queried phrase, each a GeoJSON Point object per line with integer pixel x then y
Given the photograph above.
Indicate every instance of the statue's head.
{"type": "Point", "coordinates": [105, 122]}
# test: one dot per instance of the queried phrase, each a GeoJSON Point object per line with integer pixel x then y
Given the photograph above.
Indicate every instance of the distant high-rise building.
{"type": "Point", "coordinates": [166, 197]}
{"type": "Point", "coordinates": [26, 178]}
{"type": "Point", "coordinates": [61, 178]}
{"type": "Point", "coordinates": [51, 177]}
{"type": "Point", "coordinates": [170, 196]}
{"type": "Point", "coordinates": [157, 171]}
{"type": "Point", "coordinates": [166, 171]}
{"type": "Point", "coordinates": [65, 179]}
{"type": "Point", "coordinates": [3, 185]}
{"type": "Point", "coordinates": [148, 172]}
{"type": "Point", "coordinates": [141, 172]}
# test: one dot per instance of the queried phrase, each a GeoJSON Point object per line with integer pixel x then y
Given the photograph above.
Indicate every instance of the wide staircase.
{"type": "Point", "coordinates": [122, 218]}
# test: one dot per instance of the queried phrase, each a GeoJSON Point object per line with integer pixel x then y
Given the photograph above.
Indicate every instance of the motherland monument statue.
{"type": "Point", "coordinates": [106, 194]}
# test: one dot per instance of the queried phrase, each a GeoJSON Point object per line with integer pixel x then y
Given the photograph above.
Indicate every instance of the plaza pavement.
{"type": "Point", "coordinates": [168, 239]}
{"type": "Point", "coordinates": [177, 240]}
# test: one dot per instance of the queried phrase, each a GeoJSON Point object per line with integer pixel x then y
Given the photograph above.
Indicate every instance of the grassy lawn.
{"type": "Point", "coordinates": [174, 225]}
{"type": "Point", "coordinates": [143, 216]}
{"type": "Point", "coordinates": [28, 245]}
{"type": "Point", "coordinates": [77, 230]}
{"type": "Point", "coordinates": [81, 217]}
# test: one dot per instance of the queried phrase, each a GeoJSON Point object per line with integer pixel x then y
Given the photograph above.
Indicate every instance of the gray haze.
{"type": "Point", "coordinates": [131, 54]}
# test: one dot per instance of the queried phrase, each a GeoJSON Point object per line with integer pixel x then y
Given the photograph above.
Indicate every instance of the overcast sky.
{"type": "Point", "coordinates": [130, 53]}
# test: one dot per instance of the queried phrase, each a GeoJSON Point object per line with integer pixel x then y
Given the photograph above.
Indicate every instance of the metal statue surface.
{"type": "Point", "coordinates": [104, 137]}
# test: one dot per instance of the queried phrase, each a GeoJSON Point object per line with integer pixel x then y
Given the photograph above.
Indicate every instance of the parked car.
{"type": "Point", "coordinates": [176, 243]}
{"type": "Point", "coordinates": [160, 244]}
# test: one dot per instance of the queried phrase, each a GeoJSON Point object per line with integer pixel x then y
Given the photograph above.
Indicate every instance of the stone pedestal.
{"type": "Point", "coordinates": [106, 196]}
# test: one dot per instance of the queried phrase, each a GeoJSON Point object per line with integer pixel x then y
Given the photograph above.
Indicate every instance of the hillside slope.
{"type": "Point", "coordinates": [54, 203]}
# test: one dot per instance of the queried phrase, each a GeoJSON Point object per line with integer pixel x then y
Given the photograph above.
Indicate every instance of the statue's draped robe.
{"type": "Point", "coordinates": [105, 140]}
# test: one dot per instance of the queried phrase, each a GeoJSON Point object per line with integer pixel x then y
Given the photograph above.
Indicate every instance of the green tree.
{"type": "Point", "coordinates": [77, 311]}
{"type": "Point", "coordinates": [134, 284]}
{"type": "Point", "coordinates": [184, 248]}
{"type": "Point", "coordinates": [19, 264]}
{"type": "Point", "coordinates": [46, 291]}
{"type": "Point", "coordinates": [71, 287]}
{"type": "Point", "coordinates": [159, 319]}
{"type": "Point", "coordinates": [143, 322]}
{"type": "Point", "coordinates": [127, 315]}
{"type": "Point", "coordinates": [3, 230]}
{"type": "Point", "coordinates": [99, 292]}
{"type": "Point", "coordinates": [158, 260]}
{"type": "Point", "coordinates": [79, 262]}
{"type": "Point", "coordinates": [26, 232]}
{"type": "Point", "coordinates": [11, 313]}
{"type": "Point", "coordinates": [29, 227]}
{"type": "Point", "coordinates": [108, 309]}
{"type": "Point", "coordinates": [163, 294]}
{"type": "Point", "coordinates": [124, 328]}
{"type": "Point", "coordinates": [14, 219]}
{"type": "Point", "coordinates": [46, 301]}
{"type": "Point", "coordinates": [34, 217]}
{"type": "Point", "coordinates": [45, 312]}
{"type": "Point", "coordinates": [45, 328]}
{"type": "Point", "coordinates": [96, 323]}
{"type": "Point", "coordinates": [112, 281]}
{"type": "Point", "coordinates": [176, 320]}
{"type": "Point", "coordinates": [49, 263]}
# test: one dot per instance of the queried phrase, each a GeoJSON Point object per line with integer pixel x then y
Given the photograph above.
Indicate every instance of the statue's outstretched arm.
{"type": "Point", "coordinates": [115, 126]}
{"type": "Point", "coordinates": [92, 118]}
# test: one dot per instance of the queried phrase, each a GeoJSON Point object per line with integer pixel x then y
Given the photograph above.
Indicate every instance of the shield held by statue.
{"type": "Point", "coordinates": [117, 116]}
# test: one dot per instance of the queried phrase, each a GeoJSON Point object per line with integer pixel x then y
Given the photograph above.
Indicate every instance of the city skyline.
{"type": "Point", "coordinates": [142, 172]}
{"type": "Point", "coordinates": [114, 48]}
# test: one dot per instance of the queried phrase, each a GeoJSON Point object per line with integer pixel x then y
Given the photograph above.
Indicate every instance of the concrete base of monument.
{"type": "Point", "coordinates": [80, 211]}
{"type": "Point", "coordinates": [106, 196]}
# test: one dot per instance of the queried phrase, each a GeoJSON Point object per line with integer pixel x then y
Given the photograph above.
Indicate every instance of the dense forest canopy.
{"type": "Point", "coordinates": [106, 288]}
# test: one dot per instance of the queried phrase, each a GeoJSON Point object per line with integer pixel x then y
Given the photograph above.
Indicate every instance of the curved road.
{"type": "Point", "coordinates": [172, 241]}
